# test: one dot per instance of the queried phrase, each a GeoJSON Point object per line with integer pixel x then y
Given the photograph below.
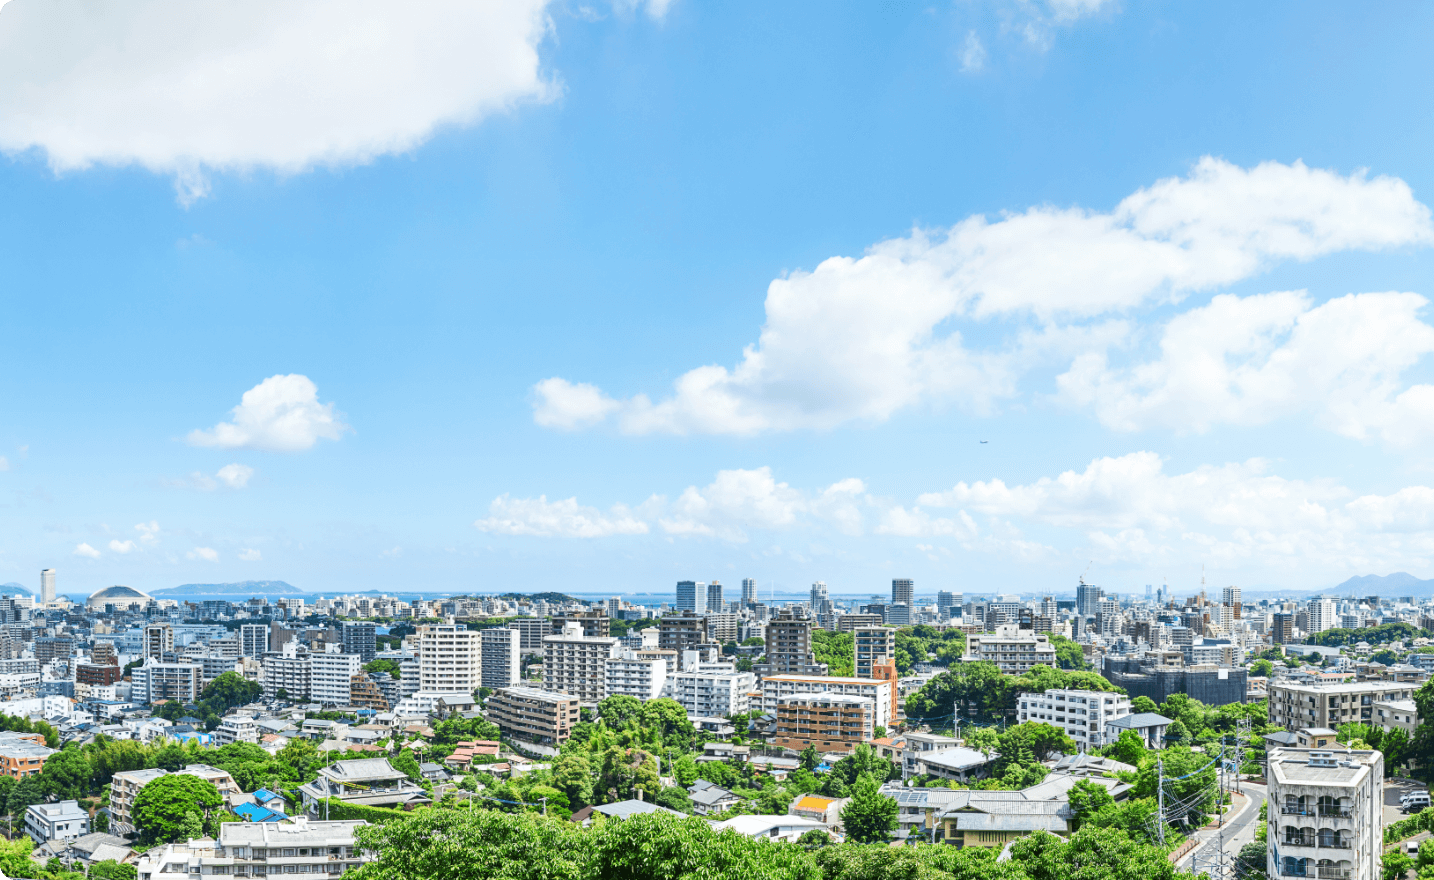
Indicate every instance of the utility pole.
{"type": "Point", "coordinates": [1160, 798]}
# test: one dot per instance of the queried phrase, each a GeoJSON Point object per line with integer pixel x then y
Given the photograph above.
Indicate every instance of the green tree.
{"type": "Point", "coordinates": [229, 690]}
{"type": "Point", "coordinates": [171, 757]}
{"type": "Point", "coordinates": [1394, 865]}
{"type": "Point", "coordinates": [1086, 799]}
{"type": "Point", "coordinates": [869, 816]}
{"type": "Point", "coordinates": [573, 775]}
{"type": "Point", "coordinates": [67, 774]}
{"type": "Point", "coordinates": [685, 769]}
{"type": "Point", "coordinates": [406, 763]}
{"type": "Point", "coordinates": [1092, 854]}
{"type": "Point", "coordinates": [27, 791]}
{"type": "Point", "coordinates": [1068, 653]}
{"type": "Point", "coordinates": [389, 666]}
{"type": "Point", "coordinates": [109, 869]}
{"type": "Point", "coordinates": [1128, 748]}
{"type": "Point", "coordinates": [1262, 667]}
{"type": "Point", "coordinates": [620, 710]}
{"type": "Point", "coordinates": [814, 839]}
{"type": "Point", "coordinates": [162, 808]}
{"type": "Point", "coordinates": [809, 758]}
{"type": "Point", "coordinates": [674, 798]}
{"type": "Point", "coordinates": [1143, 704]}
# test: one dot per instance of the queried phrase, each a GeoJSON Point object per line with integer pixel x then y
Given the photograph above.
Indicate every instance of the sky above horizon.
{"type": "Point", "coordinates": [598, 297]}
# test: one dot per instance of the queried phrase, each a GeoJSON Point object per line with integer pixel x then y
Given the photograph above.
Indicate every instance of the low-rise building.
{"type": "Point", "coordinates": [634, 676]}
{"type": "Point", "coordinates": [1326, 813]}
{"type": "Point", "coordinates": [236, 728]}
{"type": "Point", "coordinates": [1396, 715]}
{"type": "Point", "coordinates": [1149, 726]}
{"type": "Point", "coordinates": [536, 715]}
{"type": "Point", "coordinates": [369, 782]}
{"type": "Point", "coordinates": [22, 754]}
{"type": "Point", "coordinates": [1293, 706]}
{"type": "Point", "coordinates": [1012, 649]}
{"type": "Point", "coordinates": [711, 694]}
{"type": "Point", "coordinates": [259, 849]}
{"type": "Point", "coordinates": [59, 821]}
{"type": "Point", "coordinates": [776, 687]}
{"type": "Point", "coordinates": [1083, 715]}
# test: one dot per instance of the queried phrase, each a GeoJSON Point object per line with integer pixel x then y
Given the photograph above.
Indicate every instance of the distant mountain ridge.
{"type": "Point", "coordinates": [249, 588]}
{"type": "Point", "coordinates": [1400, 583]}
{"type": "Point", "coordinates": [12, 587]}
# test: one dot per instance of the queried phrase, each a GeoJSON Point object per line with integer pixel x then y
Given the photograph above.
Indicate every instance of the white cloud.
{"type": "Point", "coordinates": [859, 339]}
{"type": "Point", "coordinates": [119, 546]}
{"type": "Point", "coordinates": [655, 9]}
{"type": "Point", "coordinates": [973, 54]}
{"type": "Point", "coordinates": [87, 551]}
{"type": "Point", "coordinates": [179, 88]}
{"type": "Point", "coordinates": [738, 500]}
{"type": "Point", "coordinates": [1248, 361]}
{"type": "Point", "coordinates": [563, 518]}
{"type": "Point", "coordinates": [148, 532]}
{"type": "Point", "coordinates": [1037, 20]}
{"type": "Point", "coordinates": [208, 554]}
{"type": "Point", "coordinates": [249, 554]}
{"type": "Point", "coordinates": [280, 414]}
{"type": "Point", "coordinates": [235, 476]}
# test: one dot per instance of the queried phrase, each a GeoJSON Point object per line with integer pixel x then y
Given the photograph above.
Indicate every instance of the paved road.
{"type": "Point", "coordinates": [1235, 834]}
{"type": "Point", "coordinates": [1393, 790]}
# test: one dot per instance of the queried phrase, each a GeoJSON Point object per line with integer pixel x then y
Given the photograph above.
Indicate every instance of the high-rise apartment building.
{"type": "Point", "coordinates": [948, 604]}
{"type": "Point", "coordinates": [789, 645]}
{"type": "Point", "coordinates": [1323, 615]}
{"type": "Point", "coordinates": [330, 676]}
{"type": "Point", "coordinates": [47, 586]}
{"type": "Point", "coordinates": [637, 676]}
{"type": "Point", "coordinates": [286, 670]}
{"type": "Point", "coordinates": [158, 641]}
{"type": "Point", "coordinates": [691, 596]}
{"type": "Point", "coordinates": [715, 605]}
{"type": "Point", "coordinates": [595, 624]}
{"type": "Point", "coordinates": [1282, 628]}
{"type": "Point", "coordinates": [903, 591]}
{"type": "Point", "coordinates": [1088, 598]}
{"type": "Point", "coordinates": [359, 639]}
{"type": "Point", "coordinates": [872, 645]}
{"type": "Point", "coordinates": [532, 630]}
{"type": "Point", "coordinates": [1230, 597]}
{"type": "Point", "coordinates": [577, 665]}
{"type": "Point", "coordinates": [681, 632]}
{"type": "Point", "coordinates": [502, 657]}
{"type": "Point", "coordinates": [749, 591]}
{"type": "Point", "coordinates": [253, 639]}
{"type": "Point", "coordinates": [449, 659]}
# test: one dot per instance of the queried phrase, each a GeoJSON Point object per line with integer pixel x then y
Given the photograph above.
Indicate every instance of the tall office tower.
{"type": "Point", "coordinates": [944, 602]}
{"type": "Point", "coordinates": [1231, 598]}
{"type": "Point", "coordinates": [1048, 607]}
{"type": "Point", "coordinates": [749, 591]}
{"type": "Point", "coordinates": [502, 656]}
{"type": "Point", "coordinates": [903, 591]}
{"type": "Point", "coordinates": [1322, 615]}
{"type": "Point", "coordinates": [1147, 592]}
{"type": "Point", "coordinates": [714, 597]}
{"type": "Point", "coordinates": [1088, 599]}
{"type": "Point", "coordinates": [449, 659]}
{"type": "Point", "coordinates": [359, 639]}
{"type": "Point", "coordinates": [253, 639]}
{"type": "Point", "coordinates": [158, 641]}
{"type": "Point", "coordinates": [691, 596]}
{"type": "Point", "coordinates": [47, 585]}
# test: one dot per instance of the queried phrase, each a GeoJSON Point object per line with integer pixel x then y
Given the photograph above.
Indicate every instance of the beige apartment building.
{"type": "Point", "coordinates": [1293, 706]}
{"type": "Point", "coordinates": [532, 714]}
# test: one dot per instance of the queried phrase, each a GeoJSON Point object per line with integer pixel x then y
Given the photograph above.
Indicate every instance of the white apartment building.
{"type": "Point", "coordinates": [449, 659]}
{"type": "Point", "coordinates": [253, 639]}
{"type": "Point", "coordinates": [158, 641]}
{"type": "Point", "coordinates": [330, 676]}
{"type": "Point", "coordinates": [1083, 715]}
{"type": "Point", "coordinates": [640, 677]}
{"type": "Point", "coordinates": [124, 786]}
{"type": "Point", "coordinates": [166, 681]}
{"type": "Point", "coordinates": [236, 728]}
{"type": "Point", "coordinates": [1012, 650]}
{"type": "Point", "coordinates": [502, 657]}
{"type": "Point", "coordinates": [287, 670]}
{"type": "Point", "coordinates": [576, 664]}
{"type": "Point", "coordinates": [60, 821]}
{"type": "Point", "coordinates": [1323, 615]}
{"type": "Point", "coordinates": [1293, 706]}
{"type": "Point", "coordinates": [1325, 814]}
{"type": "Point", "coordinates": [711, 694]}
{"type": "Point", "coordinates": [775, 687]}
{"type": "Point", "coordinates": [259, 849]}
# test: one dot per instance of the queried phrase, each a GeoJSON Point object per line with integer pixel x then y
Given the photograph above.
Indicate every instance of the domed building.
{"type": "Point", "coordinates": [118, 596]}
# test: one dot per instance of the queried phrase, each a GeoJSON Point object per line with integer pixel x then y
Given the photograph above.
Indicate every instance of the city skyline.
{"type": "Point", "coordinates": [656, 291]}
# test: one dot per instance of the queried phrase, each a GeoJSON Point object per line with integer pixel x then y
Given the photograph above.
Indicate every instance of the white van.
{"type": "Point", "coordinates": [1414, 800]}
{"type": "Point", "coordinates": [1412, 849]}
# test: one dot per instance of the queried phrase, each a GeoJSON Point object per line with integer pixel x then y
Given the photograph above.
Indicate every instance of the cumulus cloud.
{"type": "Point", "coordinates": [181, 88]}
{"type": "Point", "coordinates": [973, 54]}
{"type": "Point", "coordinates": [148, 532]}
{"type": "Point", "coordinates": [208, 554]}
{"type": "Point", "coordinates": [861, 338]}
{"type": "Point", "coordinates": [564, 518]}
{"type": "Point", "coordinates": [119, 546]}
{"type": "Point", "coordinates": [235, 476]}
{"type": "Point", "coordinates": [1037, 20]}
{"type": "Point", "coordinates": [1247, 361]}
{"type": "Point", "coordinates": [248, 554]}
{"type": "Point", "coordinates": [280, 414]}
{"type": "Point", "coordinates": [87, 551]}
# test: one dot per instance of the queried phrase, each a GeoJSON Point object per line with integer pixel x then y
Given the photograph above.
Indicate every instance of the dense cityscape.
{"type": "Point", "coordinates": [1196, 734]}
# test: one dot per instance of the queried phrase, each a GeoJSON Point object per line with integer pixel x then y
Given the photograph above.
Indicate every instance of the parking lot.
{"type": "Point", "coordinates": [1393, 790]}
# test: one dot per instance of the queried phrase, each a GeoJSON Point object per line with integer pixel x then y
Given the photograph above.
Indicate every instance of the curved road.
{"type": "Point", "coordinates": [1234, 835]}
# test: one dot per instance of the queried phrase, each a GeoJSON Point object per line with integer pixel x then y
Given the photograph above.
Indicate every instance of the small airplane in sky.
{"type": "Point", "coordinates": [985, 441]}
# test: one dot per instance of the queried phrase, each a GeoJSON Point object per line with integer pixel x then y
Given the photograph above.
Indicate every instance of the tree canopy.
{"type": "Point", "coordinates": [171, 805]}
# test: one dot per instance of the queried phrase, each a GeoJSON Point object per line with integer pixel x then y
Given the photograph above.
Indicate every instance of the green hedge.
{"type": "Point", "coordinates": [1420, 821]}
{"type": "Point", "coordinates": [339, 810]}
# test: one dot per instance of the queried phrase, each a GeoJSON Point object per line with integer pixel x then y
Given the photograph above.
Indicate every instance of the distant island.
{"type": "Point", "coordinates": [245, 588]}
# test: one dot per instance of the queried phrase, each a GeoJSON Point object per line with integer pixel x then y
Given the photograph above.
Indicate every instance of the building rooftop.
{"type": "Point", "coordinates": [1139, 721]}
{"type": "Point", "coordinates": [1344, 767]}
{"type": "Point", "coordinates": [299, 832]}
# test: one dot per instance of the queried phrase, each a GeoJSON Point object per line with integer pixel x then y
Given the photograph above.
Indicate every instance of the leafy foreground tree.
{"type": "Point", "coordinates": [870, 816]}
{"type": "Point", "coordinates": [174, 805]}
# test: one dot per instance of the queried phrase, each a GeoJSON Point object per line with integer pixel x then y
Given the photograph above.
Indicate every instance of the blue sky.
{"type": "Point", "coordinates": [458, 258]}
